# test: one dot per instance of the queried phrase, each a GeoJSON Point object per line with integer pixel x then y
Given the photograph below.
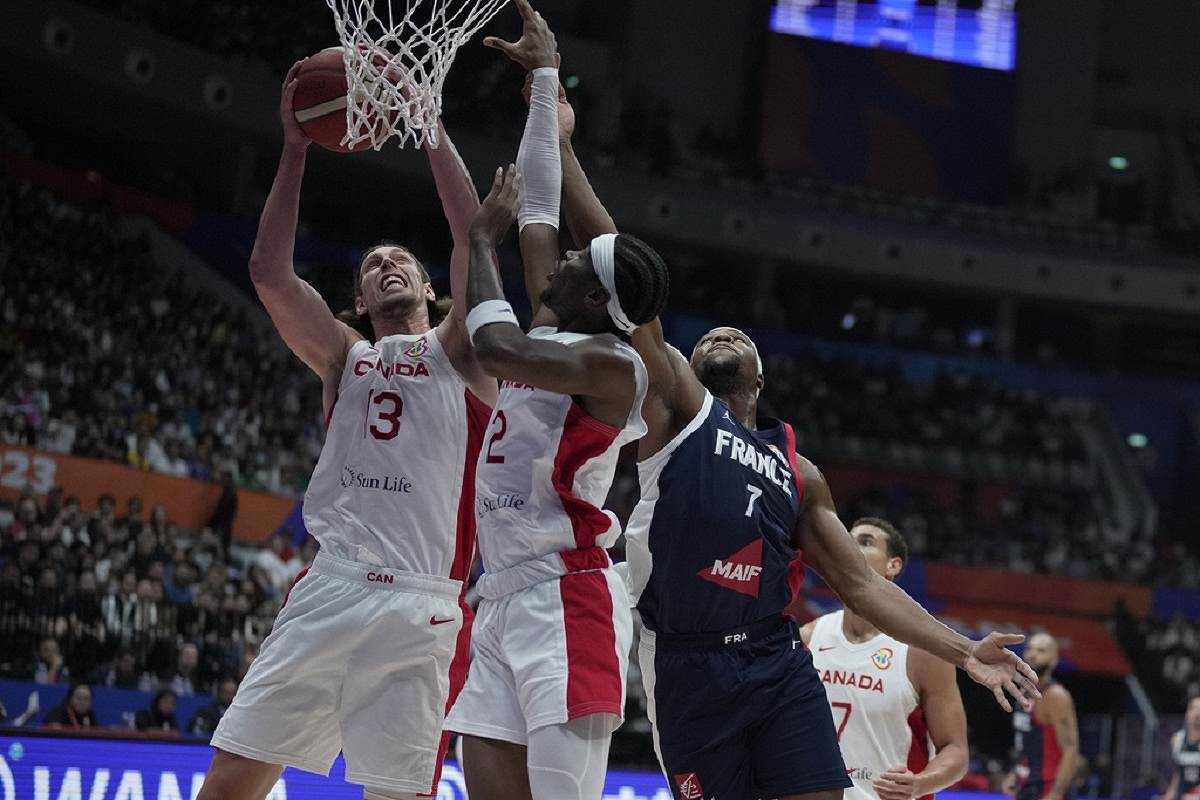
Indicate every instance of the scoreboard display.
{"type": "Point", "coordinates": [979, 33]}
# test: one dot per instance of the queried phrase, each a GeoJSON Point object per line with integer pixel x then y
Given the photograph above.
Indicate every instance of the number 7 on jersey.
{"type": "Point", "coordinates": [755, 493]}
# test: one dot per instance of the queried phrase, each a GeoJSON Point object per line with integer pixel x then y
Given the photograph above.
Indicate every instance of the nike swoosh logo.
{"type": "Point", "coordinates": [823, 649]}
{"type": "Point", "coordinates": [436, 621]}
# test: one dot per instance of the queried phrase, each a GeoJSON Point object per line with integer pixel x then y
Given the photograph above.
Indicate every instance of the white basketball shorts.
{"type": "Point", "coordinates": [547, 654]}
{"type": "Point", "coordinates": [358, 662]}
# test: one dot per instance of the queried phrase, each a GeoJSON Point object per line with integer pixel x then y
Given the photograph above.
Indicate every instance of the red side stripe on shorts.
{"type": "Point", "coordinates": [593, 670]}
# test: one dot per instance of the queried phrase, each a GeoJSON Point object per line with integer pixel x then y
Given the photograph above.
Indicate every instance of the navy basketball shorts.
{"type": "Point", "coordinates": [740, 715]}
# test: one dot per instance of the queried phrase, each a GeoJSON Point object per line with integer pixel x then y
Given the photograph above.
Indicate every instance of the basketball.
{"type": "Point", "coordinates": [320, 100]}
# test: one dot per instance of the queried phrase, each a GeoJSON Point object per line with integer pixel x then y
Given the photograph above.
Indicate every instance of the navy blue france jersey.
{"type": "Point", "coordinates": [709, 544]}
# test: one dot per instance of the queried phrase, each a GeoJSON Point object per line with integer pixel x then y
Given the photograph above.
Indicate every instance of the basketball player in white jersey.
{"type": "Point", "coordinates": [360, 657]}
{"type": "Point", "coordinates": [550, 644]}
{"type": "Point", "coordinates": [890, 702]}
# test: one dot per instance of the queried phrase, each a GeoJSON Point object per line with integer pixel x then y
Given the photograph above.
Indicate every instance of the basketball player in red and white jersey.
{"type": "Point", "coordinates": [1046, 738]}
{"type": "Point", "coordinates": [553, 632]}
{"type": "Point", "coordinates": [890, 701]}
{"type": "Point", "coordinates": [360, 657]}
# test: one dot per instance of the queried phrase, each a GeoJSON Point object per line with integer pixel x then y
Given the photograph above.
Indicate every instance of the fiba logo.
{"type": "Point", "coordinates": [417, 349]}
{"type": "Point", "coordinates": [883, 658]}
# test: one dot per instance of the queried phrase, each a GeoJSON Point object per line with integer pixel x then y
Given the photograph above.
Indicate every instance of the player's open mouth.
{"type": "Point", "coordinates": [393, 280]}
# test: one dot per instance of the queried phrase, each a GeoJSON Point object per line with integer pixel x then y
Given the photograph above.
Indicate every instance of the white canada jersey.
{"type": "Point", "coordinates": [544, 472]}
{"type": "Point", "coordinates": [874, 704]}
{"type": "Point", "coordinates": [399, 456]}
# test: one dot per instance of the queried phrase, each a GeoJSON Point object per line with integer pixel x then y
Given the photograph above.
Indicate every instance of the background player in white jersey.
{"type": "Point", "coordinates": [547, 679]}
{"type": "Point", "coordinates": [738, 710]}
{"type": "Point", "coordinates": [361, 654]}
{"type": "Point", "coordinates": [889, 701]}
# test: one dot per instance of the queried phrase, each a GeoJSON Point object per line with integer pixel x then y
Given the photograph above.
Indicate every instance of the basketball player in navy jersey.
{"type": "Point", "coordinates": [1046, 735]}
{"type": "Point", "coordinates": [1185, 752]}
{"type": "Point", "coordinates": [727, 506]}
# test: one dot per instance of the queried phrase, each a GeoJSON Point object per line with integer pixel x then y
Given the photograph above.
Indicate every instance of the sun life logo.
{"type": "Point", "coordinates": [883, 658]}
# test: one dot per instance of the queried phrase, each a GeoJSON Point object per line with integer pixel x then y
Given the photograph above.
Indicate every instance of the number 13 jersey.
{"type": "Point", "coordinates": [395, 482]}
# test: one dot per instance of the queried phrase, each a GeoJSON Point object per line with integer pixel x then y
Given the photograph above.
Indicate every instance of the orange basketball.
{"type": "Point", "coordinates": [320, 100]}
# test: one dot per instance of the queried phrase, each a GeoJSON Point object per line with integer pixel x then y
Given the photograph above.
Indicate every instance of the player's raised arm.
{"type": "Point", "coordinates": [503, 349]}
{"type": "Point", "coordinates": [538, 159]}
{"type": "Point", "coordinates": [832, 553]}
{"type": "Point", "coordinates": [460, 202]}
{"type": "Point", "coordinates": [675, 394]}
{"type": "Point", "coordinates": [585, 215]}
{"type": "Point", "coordinates": [300, 315]}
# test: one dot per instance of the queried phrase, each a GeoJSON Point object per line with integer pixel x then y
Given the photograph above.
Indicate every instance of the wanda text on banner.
{"type": "Point", "coordinates": [58, 768]}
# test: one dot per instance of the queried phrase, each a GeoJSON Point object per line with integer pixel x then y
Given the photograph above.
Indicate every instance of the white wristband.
{"type": "Point", "coordinates": [486, 313]}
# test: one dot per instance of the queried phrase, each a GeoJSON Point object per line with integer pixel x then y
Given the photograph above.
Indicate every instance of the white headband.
{"type": "Point", "coordinates": [604, 261]}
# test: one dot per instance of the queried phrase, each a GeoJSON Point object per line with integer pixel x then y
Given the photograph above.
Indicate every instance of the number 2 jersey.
{"type": "Point", "coordinates": [394, 485]}
{"type": "Point", "coordinates": [710, 542]}
{"type": "Point", "coordinates": [544, 472]}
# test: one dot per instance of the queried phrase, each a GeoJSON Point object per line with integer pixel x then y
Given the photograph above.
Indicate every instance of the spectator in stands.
{"type": "Point", "coordinates": [206, 719]}
{"type": "Point", "coordinates": [124, 673]}
{"type": "Point", "coordinates": [160, 716]}
{"type": "Point", "coordinates": [75, 711]}
{"type": "Point", "coordinates": [280, 561]}
{"type": "Point", "coordinates": [185, 669]}
{"type": "Point", "coordinates": [50, 667]}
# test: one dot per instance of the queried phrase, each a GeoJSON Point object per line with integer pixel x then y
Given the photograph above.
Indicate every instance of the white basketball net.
{"type": "Point", "coordinates": [396, 64]}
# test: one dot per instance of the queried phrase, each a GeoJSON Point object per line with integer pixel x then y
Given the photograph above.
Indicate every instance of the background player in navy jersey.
{"type": "Point", "coordinates": [727, 505]}
{"type": "Point", "coordinates": [1185, 752]}
{"type": "Point", "coordinates": [908, 700]}
{"type": "Point", "coordinates": [1047, 735]}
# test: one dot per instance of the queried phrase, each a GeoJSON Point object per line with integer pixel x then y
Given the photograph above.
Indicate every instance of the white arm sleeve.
{"type": "Point", "coordinates": [538, 160]}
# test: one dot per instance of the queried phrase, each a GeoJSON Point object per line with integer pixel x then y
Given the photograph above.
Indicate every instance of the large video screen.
{"type": "Point", "coordinates": [980, 33]}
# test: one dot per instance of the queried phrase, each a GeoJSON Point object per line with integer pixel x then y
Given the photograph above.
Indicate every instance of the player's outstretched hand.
{"type": "Point", "coordinates": [537, 46]}
{"type": "Point", "coordinates": [498, 210]}
{"type": "Point", "coordinates": [566, 114]}
{"type": "Point", "coordinates": [993, 665]}
{"type": "Point", "coordinates": [293, 134]}
{"type": "Point", "coordinates": [898, 783]}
